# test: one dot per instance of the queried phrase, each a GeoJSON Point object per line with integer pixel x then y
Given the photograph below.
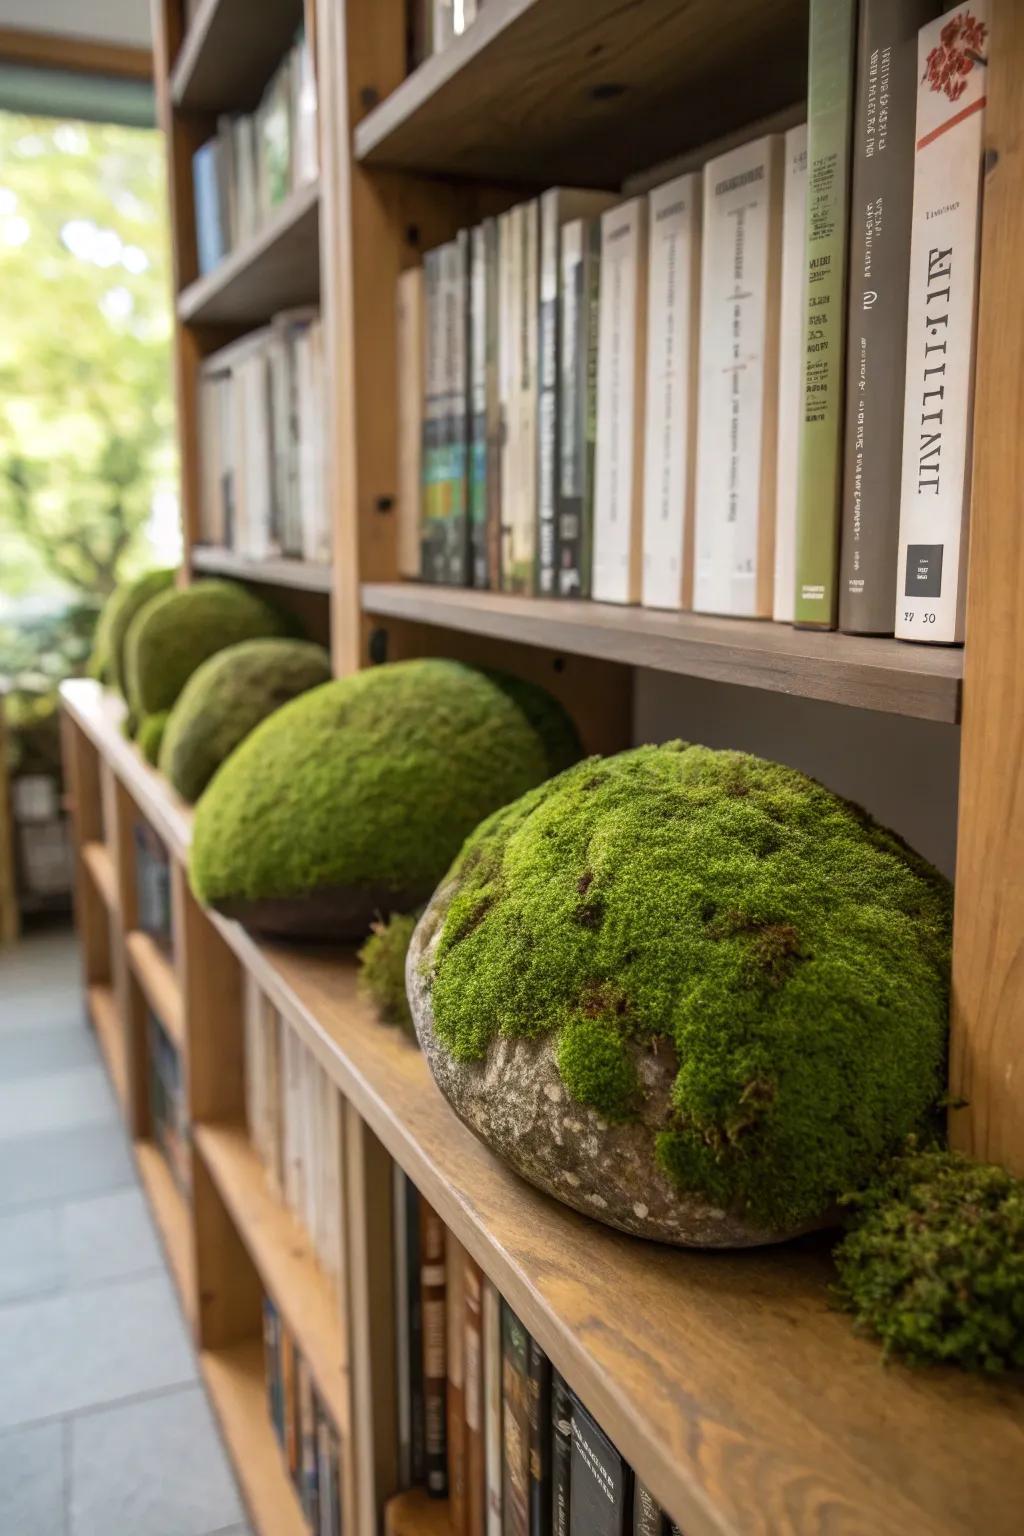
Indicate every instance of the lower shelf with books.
{"type": "Point", "coordinates": [303, 575]}
{"type": "Point", "coordinates": [171, 1215]}
{"type": "Point", "coordinates": [154, 970]}
{"type": "Point", "coordinates": [236, 1383]}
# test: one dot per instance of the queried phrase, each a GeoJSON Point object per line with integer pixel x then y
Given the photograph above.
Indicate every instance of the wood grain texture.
{"type": "Point", "coordinates": [867, 673]}
{"type": "Point", "coordinates": [228, 53]}
{"type": "Point", "coordinates": [82, 55]}
{"type": "Point", "coordinates": [304, 575]}
{"type": "Point", "coordinates": [229, 1295]}
{"type": "Point", "coordinates": [210, 979]}
{"type": "Point", "coordinates": [416, 1514]}
{"type": "Point", "coordinates": [106, 1021]}
{"type": "Point", "coordinates": [234, 1380]}
{"type": "Point", "coordinates": [100, 867]}
{"type": "Point", "coordinates": [171, 1214]}
{"type": "Point", "coordinates": [987, 1059]}
{"type": "Point", "coordinates": [277, 269]}
{"type": "Point", "coordinates": [584, 92]}
{"type": "Point", "coordinates": [155, 973]}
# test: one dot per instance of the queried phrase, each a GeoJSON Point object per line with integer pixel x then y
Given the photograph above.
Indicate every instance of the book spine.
{"type": "Point", "coordinates": [457, 327]}
{"type": "Point", "coordinates": [417, 1404]}
{"type": "Point", "coordinates": [547, 397]}
{"type": "Point", "coordinates": [880, 231]}
{"type": "Point", "coordinates": [272, 1365]}
{"type": "Point", "coordinates": [477, 476]}
{"type": "Point", "coordinates": [473, 1359]}
{"type": "Point", "coordinates": [592, 310]}
{"type": "Point", "coordinates": [618, 492]}
{"type": "Point", "coordinates": [289, 1400]}
{"type": "Point", "coordinates": [432, 530]}
{"type": "Point", "coordinates": [492, 406]}
{"type": "Point", "coordinates": [648, 1519]}
{"type": "Point", "coordinates": [409, 329]}
{"type": "Point", "coordinates": [791, 363]}
{"type": "Point", "coordinates": [670, 447]}
{"type": "Point", "coordinates": [830, 99]}
{"type": "Point", "coordinates": [435, 1365]}
{"type": "Point", "coordinates": [308, 1483]}
{"type": "Point", "coordinates": [455, 1398]}
{"type": "Point", "coordinates": [515, 1427]}
{"type": "Point", "coordinates": [952, 71]}
{"type": "Point", "coordinates": [601, 1494]}
{"type": "Point", "coordinates": [539, 1406]}
{"type": "Point", "coordinates": [571, 412]}
{"type": "Point", "coordinates": [521, 503]}
{"type": "Point", "coordinates": [561, 1455]}
{"type": "Point", "coordinates": [493, 1445]}
{"type": "Point", "coordinates": [506, 391]}
{"type": "Point", "coordinates": [403, 1380]}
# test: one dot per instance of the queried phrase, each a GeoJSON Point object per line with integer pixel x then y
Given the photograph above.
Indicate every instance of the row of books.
{"type": "Point", "coordinates": [483, 1419]}
{"type": "Point", "coordinates": [666, 399]}
{"type": "Point", "coordinates": [241, 176]}
{"type": "Point", "coordinates": [152, 885]}
{"type": "Point", "coordinates": [167, 1107]}
{"type": "Point", "coordinates": [432, 24]}
{"type": "Point", "coordinates": [293, 1112]}
{"type": "Point", "coordinates": [262, 443]}
{"type": "Point", "coordinates": [305, 1431]}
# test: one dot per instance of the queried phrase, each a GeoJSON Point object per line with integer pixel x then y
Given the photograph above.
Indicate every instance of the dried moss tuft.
{"type": "Point", "coordinates": [382, 968]}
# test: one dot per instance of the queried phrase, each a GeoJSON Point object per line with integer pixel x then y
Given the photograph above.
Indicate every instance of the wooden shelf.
{"type": "Point", "coordinates": [226, 58]}
{"type": "Point", "coordinates": [303, 575]}
{"type": "Point", "coordinates": [277, 269]}
{"type": "Point", "coordinates": [155, 973]}
{"type": "Point", "coordinates": [97, 860]}
{"type": "Point", "coordinates": [416, 1514]}
{"type": "Point", "coordinates": [585, 92]}
{"type": "Point", "coordinates": [106, 1021]}
{"type": "Point", "coordinates": [235, 1382]}
{"type": "Point", "coordinates": [284, 1258]}
{"type": "Point", "coordinates": [170, 1212]}
{"type": "Point", "coordinates": [922, 681]}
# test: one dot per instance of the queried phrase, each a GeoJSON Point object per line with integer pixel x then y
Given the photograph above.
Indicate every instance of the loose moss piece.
{"type": "Point", "coordinates": [226, 697]}
{"type": "Point", "coordinates": [934, 1265]}
{"type": "Point", "coordinates": [107, 661]}
{"type": "Point", "coordinates": [382, 968]}
{"type": "Point", "coordinates": [150, 734]}
{"type": "Point", "coordinates": [793, 954]}
{"type": "Point", "coordinates": [178, 630]}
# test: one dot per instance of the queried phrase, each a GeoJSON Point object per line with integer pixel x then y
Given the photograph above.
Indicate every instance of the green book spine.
{"type": "Point", "coordinates": [830, 102]}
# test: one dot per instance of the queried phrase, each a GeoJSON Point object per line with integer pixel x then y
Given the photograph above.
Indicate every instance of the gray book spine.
{"type": "Point", "coordinates": [881, 210]}
{"type": "Point", "coordinates": [547, 397]}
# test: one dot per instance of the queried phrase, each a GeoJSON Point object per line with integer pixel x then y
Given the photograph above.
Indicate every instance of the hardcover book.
{"type": "Point", "coordinates": [952, 68]}
{"type": "Point", "coordinates": [509, 304]}
{"type": "Point", "coordinates": [478, 465]}
{"type": "Point", "coordinates": [648, 1519]}
{"type": "Point", "coordinates": [561, 1455]}
{"type": "Point", "coordinates": [493, 1393]}
{"type": "Point", "coordinates": [577, 403]}
{"type": "Point", "coordinates": [473, 1372]}
{"type": "Point", "coordinates": [880, 227]}
{"type": "Point", "coordinates": [435, 1363]}
{"type": "Point", "coordinates": [433, 527]}
{"type": "Point", "coordinates": [539, 1408]}
{"type": "Point", "coordinates": [456, 436]}
{"type": "Point", "coordinates": [515, 1426]}
{"type": "Point", "coordinates": [673, 322]}
{"type": "Point", "coordinates": [492, 402]}
{"type": "Point", "coordinates": [830, 98]}
{"type": "Point", "coordinates": [409, 331]}
{"type": "Point", "coordinates": [621, 381]}
{"type": "Point", "coordinates": [455, 1335]}
{"type": "Point", "coordinates": [791, 364]}
{"type": "Point", "coordinates": [741, 263]}
{"type": "Point", "coordinates": [601, 1502]}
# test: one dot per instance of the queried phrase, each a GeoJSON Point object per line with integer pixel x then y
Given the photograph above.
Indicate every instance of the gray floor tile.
{"type": "Point", "coordinates": [34, 1052]}
{"type": "Point", "coordinates": [32, 1480]}
{"type": "Point", "coordinates": [64, 1165]}
{"type": "Point", "coordinates": [30, 1254]}
{"type": "Point", "coordinates": [54, 1010]}
{"type": "Point", "coordinates": [153, 1468]}
{"type": "Point", "coordinates": [58, 1101]}
{"type": "Point", "coordinates": [91, 1347]}
{"type": "Point", "coordinates": [107, 1237]}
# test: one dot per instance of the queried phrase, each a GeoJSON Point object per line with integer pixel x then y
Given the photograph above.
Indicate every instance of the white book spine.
{"type": "Point", "coordinates": [618, 508]}
{"type": "Point", "coordinates": [791, 362]}
{"type": "Point", "coordinates": [524, 510]}
{"type": "Point", "coordinates": [736, 451]}
{"type": "Point", "coordinates": [673, 277]}
{"type": "Point", "coordinates": [941, 327]}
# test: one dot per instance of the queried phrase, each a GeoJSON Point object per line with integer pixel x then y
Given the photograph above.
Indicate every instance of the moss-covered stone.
{"type": "Point", "coordinates": [934, 1263]}
{"type": "Point", "coordinates": [150, 734]}
{"type": "Point", "coordinates": [727, 915]}
{"type": "Point", "coordinates": [176, 631]}
{"type": "Point", "coordinates": [107, 661]}
{"type": "Point", "coordinates": [351, 801]}
{"type": "Point", "coordinates": [226, 697]}
{"type": "Point", "coordinates": [382, 969]}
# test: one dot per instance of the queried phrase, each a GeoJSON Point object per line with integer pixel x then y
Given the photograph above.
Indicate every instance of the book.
{"type": "Point", "coordinates": [212, 241]}
{"type": "Point", "coordinates": [473, 1371]}
{"type": "Point", "coordinates": [741, 266]}
{"type": "Point", "coordinates": [455, 1396]}
{"type": "Point", "coordinates": [819, 486]}
{"type": "Point", "coordinates": [493, 1393]}
{"type": "Point", "coordinates": [492, 401]}
{"type": "Point", "coordinates": [519, 484]}
{"type": "Point", "coordinates": [561, 1455]}
{"type": "Point", "coordinates": [289, 1403]}
{"type": "Point", "coordinates": [648, 1519]}
{"type": "Point", "coordinates": [793, 307]}
{"type": "Point", "coordinates": [435, 1362]}
{"type": "Point", "coordinates": [478, 467]}
{"type": "Point", "coordinates": [412, 1468]}
{"type": "Point", "coordinates": [601, 1501]}
{"type": "Point", "coordinates": [409, 340]}
{"type": "Point", "coordinates": [272, 1366]}
{"type": "Point", "coordinates": [515, 1481]}
{"type": "Point", "coordinates": [885, 112]}
{"type": "Point", "coordinates": [308, 1479]}
{"type": "Point", "coordinates": [539, 1412]}
{"type": "Point", "coordinates": [941, 327]}
{"type": "Point", "coordinates": [579, 290]}
{"type": "Point", "coordinates": [433, 529]}
{"type": "Point", "coordinates": [670, 449]}
{"type": "Point", "coordinates": [621, 379]}
{"type": "Point", "coordinates": [507, 328]}
{"type": "Point", "coordinates": [456, 358]}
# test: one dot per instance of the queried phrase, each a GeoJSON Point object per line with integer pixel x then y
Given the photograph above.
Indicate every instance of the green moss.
{"type": "Point", "coordinates": [554, 727]}
{"type": "Point", "coordinates": [176, 631]}
{"type": "Point", "coordinates": [934, 1265]}
{"type": "Point", "coordinates": [382, 968]}
{"type": "Point", "coordinates": [369, 783]}
{"type": "Point", "coordinates": [150, 735]}
{"type": "Point", "coordinates": [226, 697]}
{"type": "Point", "coordinates": [107, 661]}
{"type": "Point", "coordinates": [791, 953]}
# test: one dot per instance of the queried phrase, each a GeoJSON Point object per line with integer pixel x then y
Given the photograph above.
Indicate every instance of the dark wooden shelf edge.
{"type": "Point", "coordinates": [224, 59]}
{"type": "Point", "coordinates": [213, 298]}
{"type": "Point", "coordinates": [303, 575]}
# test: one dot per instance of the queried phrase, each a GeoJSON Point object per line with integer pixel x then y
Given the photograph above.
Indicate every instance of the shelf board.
{"type": "Point", "coordinates": [921, 681]}
{"type": "Point", "coordinates": [106, 1020]}
{"type": "Point", "coordinates": [585, 92]}
{"type": "Point", "coordinates": [155, 973]}
{"type": "Point", "coordinates": [303, 575]}
{"type": "Point", "coordinates": [278, 268]}
{"type": "Point", "coordinates": [170, 1212]}
{"type": "Point", "coordinates": [225, 60]}
{"type": "Point", "coordinates": [235, 1382]}
{"type": "Point", "coordinates": [284, 1259]}
{"type": "Point", "coordinates": [415, 1513]}
{"type": "Point", "coordinates": [98, 861]}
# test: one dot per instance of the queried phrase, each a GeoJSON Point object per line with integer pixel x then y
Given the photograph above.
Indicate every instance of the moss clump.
{"type": "Point", "coordinates": [107, 661]}
{"type": "Point", "coordinates": [226, 697]}
{"type": "Point", "coordinates": [368, 785]}
{"type": "Point", "coordinates": [934, 1265]}
{"type": "Point", "coordinates": [176, 631]}
{"type": "Point", "coordinates": [150, 735]}
{"type": "Point", "coordinates": [382, 968]}
{"type": "Point", "coordinates": [793, 955]}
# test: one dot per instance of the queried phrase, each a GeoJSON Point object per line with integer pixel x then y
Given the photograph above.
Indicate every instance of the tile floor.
{"type": "Point", "coordinates": [104, 1427]}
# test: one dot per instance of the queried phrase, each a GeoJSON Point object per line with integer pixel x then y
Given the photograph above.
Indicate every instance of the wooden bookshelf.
{"type": "Point", "coordinates": [277, 269]}
{"type": "Point", "coordinates": [415, 1514]}
{"type": "Point", "coordinates": [173, 1221]}
{"type": "Point", "coordinates": [155, 973]}
{"type": "Point", "coordinates": [97, 860]}
{"type": "Point", "coordinates": [106, 1021]}
{"type": "Point", "coordinates": [228, 54]}
{"type": "Point", "coordinates": [302, 575]}
{"type": "Point", "coordinates": [235, 1383]}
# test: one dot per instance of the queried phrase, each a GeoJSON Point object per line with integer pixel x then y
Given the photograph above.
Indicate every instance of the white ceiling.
{"type": "Point", "coordinates": [112, 21]}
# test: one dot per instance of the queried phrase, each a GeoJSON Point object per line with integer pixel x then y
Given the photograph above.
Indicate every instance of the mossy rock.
{"type": "Point", "coordinates": [226, 697]}
{"type": "Point", "coordinates": [178, 630]}
{"type": "Point", "coordinates": [934, 1263]}
{"type": "Point", "coordinates": [691, 993]}
{"type": "Point", "coordinates": [382, 969]}
{"type": "Point", "coordinates": [150, 734]}
{"type": "Point", "coordinates": [349, 803]}
{"type": "Point", "coordinates": [107, 660]}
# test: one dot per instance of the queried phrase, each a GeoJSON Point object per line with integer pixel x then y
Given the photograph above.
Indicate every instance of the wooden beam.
{"type": "Point", "coordinates": [81, 55]}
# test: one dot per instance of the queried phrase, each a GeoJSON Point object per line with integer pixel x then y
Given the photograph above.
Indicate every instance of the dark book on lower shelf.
{"type": "Point", "coordinates": [601, 1501]}
{"type": "Point", "coordinates": [539, 1405]}
{"type": "Point", "coordinates": [167, 1107]}
{"type": "Point", "coordinates": [308, 1482]}
{"type": "Point", "coordinates": [152, 884]}
{"type": "Point", "coordinates": [272, 1366]}
{"type": "Point", "coordinates": [435, 1364]}
{"type": "Point", "coordinates": [561, 1455]}
{"type": "Point", "coordinates": [515, 1417]}
{"type": "Point", "coordinates": [648, 1517]}
{"type": "Point", "coordinates": [455, 1339]}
